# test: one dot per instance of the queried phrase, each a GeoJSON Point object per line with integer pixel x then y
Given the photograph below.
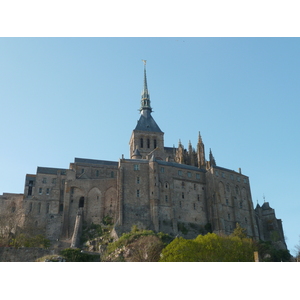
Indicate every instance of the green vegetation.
{"type": "Point", "coordinates": [209, 248]}
{"type": "Point", "coordinates": [137, 245]}
{"type": "Point", "coordinates": [23, 240]}
{"type": "Point", "coordinates": [76, 255]}
{"type": "Point", "coordinates": [269, 253]}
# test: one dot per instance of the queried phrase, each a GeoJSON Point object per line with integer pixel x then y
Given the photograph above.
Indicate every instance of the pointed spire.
{"type": "Point", "coordinates": [145, 98]}
{"type": "Point", "coordinates": [211, 158]}
{"type": "Point", "coordinates": [199, 138]}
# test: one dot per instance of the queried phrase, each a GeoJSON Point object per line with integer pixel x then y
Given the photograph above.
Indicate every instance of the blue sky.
{"type": "Point", "coordinates": [79, 97]}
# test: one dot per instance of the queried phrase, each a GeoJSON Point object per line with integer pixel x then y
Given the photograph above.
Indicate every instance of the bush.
{"type": "Point", "coordinates": [76, 255]}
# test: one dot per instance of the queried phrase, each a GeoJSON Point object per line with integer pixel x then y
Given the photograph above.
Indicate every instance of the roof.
{"type": "Point", "coordinates": [53, 171]}
{"type": "Point", "coordinates": [147, 123]}
{"type": "Point", "coordinates": [95, 161]}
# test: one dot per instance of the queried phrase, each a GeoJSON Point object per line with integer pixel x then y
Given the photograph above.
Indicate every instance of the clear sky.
{"type": "Point", "coordinates": [79, 97]}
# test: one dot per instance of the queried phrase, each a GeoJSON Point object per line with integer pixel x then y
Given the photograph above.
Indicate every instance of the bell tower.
{"type": "Point", "coordinates": [147, 137]}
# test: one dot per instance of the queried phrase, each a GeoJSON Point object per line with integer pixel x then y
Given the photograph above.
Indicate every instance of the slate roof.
{"type": "Point", "coordinates": [147, 123]}
{"type": "Point", "coordinates": [95, 161]}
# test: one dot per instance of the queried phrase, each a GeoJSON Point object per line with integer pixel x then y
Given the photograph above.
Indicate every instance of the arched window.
{"type": "Point", "coordinates": [155, 144]}
{"type": "Point", "coordinates": [81, 202]}
{"type": "Point", "coordinates": [148, 143]}
{"type": "Point", "coordinates": [142, 143]}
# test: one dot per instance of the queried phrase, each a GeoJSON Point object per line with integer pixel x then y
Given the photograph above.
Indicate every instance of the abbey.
{"type": "Point", "coordinates": [169, 189]}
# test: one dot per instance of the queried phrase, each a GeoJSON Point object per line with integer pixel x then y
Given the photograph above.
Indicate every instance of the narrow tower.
{"type": "Point", "coordinates": [147, 136]}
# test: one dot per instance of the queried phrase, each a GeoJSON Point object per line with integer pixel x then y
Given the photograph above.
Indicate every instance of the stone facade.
{"type": "Point", "coordinates": [169, 189]}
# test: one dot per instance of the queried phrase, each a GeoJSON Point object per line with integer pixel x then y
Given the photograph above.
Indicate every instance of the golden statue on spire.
{"type": "Point", "coordinates": [144, 61]}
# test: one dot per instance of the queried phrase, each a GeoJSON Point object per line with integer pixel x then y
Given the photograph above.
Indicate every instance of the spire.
{"type": "Point", "coordinates": [212, 159]}
{"type": "Point", "coordinates": [145, 98]}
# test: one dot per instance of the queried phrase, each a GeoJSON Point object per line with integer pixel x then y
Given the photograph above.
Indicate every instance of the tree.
{"type": "Point", "coordinates": [209, 248]}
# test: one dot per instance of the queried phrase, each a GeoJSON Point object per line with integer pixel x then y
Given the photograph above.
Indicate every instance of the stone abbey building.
{"type": "Point", "coordinates": [169, 189]}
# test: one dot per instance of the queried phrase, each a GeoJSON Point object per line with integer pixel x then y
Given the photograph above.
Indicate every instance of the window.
{"type": "Point", "coordinates": [155, 144]}
{"type": "Point", "coordinates": [61, 207]}
{"type": "Point", "coordinates": [227, 202]}
{"type": "Point", "coordinates": [138, 193]}
{"type": "Point", "coordinates": [97, 173]}
{"type": "Point", "coordinates": [231, 177]}
{"type": "Point", "coordinates": [223, 175]}
{"type": "Point", "coordinates": [166, 185]}
{"type": "Point", "coordinates": [30, 185]}
{"type": "Point", "coordinates": [162, 170]}
{"type": "Point", "coordinates": [194, 206]}
{"type": "Point", "coordinates": [189, 174]}
{"type": "Point", "coordinates": [195, 186]}
{"type": "Point", "coordinates": [148, 143]}
{"type": "Point", "coordinates": [112, 175]}
{"type": "Point", "coordinates": [179, 205]}
{"type": "Point", "coordinates": [82, 171]}
{"type": "Point", "coordinates": [166, 198]}
{"type": "Point", "coordinates": [81, 202]}
{"type": "Point", "coordinates": [241, 204]}
{"type": "Point", "coordinates": [138, 180]}
{"type": "Point", "coordinates": [246, 220]}
{"type": "Point", "coordinates": [40, 191]}
{"type": "Point", "coordinates": [47, 191]}
{"type": "Point", "coordinates": [228, 216]}
{"type": "Point", "coordinates": [142, 143]}
{"type": "Point", "coordinates": [30, 207]}
{"type": "Point", "coordinates": [44, 180]}
{"type": "Point", "coordinates": [245, 180]}
{"type": "Point", "coordinates": [197, 176]}
{"type": "Point", "coordinates": [182, 184]}
{"type": "Point", "coordinates": [53, 180]}
{"type": "Point", "coordinates": [136, 167]}
{"type": "Point", "coordinates": [39, 208]}
{"type": "Point", "coordinates": [182, 195]}
{"type": "Point", "coordinates": [48, 208]}
{"type": "Point", "coordinates": [198, 197]}
{"type": "Point", "coordinates": [179, 172]}
{"type": "Point", "coordinates": [238, 178]}
{"type": "Point", "coordinates": [227, 188]}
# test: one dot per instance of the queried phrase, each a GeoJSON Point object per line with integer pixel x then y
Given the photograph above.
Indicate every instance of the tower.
{"type": "Point", "coordinates": [147, 137]}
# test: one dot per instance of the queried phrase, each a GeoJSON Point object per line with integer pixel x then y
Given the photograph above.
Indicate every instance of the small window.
{"type": "Point", "coordinates": [231, 177]}
{"type": "Point", "coordinates": [39, 208]}
{"type": "Point", "coordinates": [179, 172]}
{"type": "Point", "coordinates": [148, 143]}
{"type": "Point", "coordinates": [241, 204]}
{"type": "Point", "coordinates": [166, 198]}
{"type": "Point", "coordinates": [112, 175]}
{"type": "Point", "coordinates": [197, 176]}
{"type": "Point", "coordinates": [30, 207]}
{"type": "Point", "coordinates": [40, 191]}
{"type": "Point", "coordinates": [155, 144]}
{"type": "Point", "coordinates": [189, 174]}
{"type": "Point", "coordinates": [227, 202]}
{"type": "Point", "coordinates": [136, 167]}
{"type": "Point", "coordinates": [82, 171]}
{"type": "Point", "coordinates": [166, 185]}
{"type": "Point", "coordinates": [48, 208]}
{"type": "Point", "coordinates": [246, 220]}
{"type": "Point", "coordinates": [182, 184]}
{"type": "Point", "coordinates": [44, 180]}
{"type": "Point", "coordinates": [227, 188]}
{"type": "Point", "coordinates": [182, 195]}
{"type": "Point", "coordinates": [53, 180]}
{"type": "Point", "coordinates": [194, 206]}
{"type": "Point", "coordinates": [142, 143]}
{"type": "Point", "coordinates": [179, 205]}
{"type": "Point", "coordinates": [138, 193]}
{"type": "Point", "coordinates": [61, 207]}
{"type": "Point", "coordinates": [47, 191]}
{"type": "Point", "coordinates": [245, 180]}
{"type": "Point", "coordinates": [97, 173]}
{"type": "Point", "coordinates": [198, 197]}
{"type": "Point", "coordinates": [223, 175]}
{"type": "Point", "coordinates": [81, 202]}
{"type": "Point", "coordinates": [228, 216]}
{"type": "Point", "coordinates": [238, 178]}
{"type": "Point", "coordinates": [138, 180]}
{"type": "Point", "coordinates": [195, 186]}
{"type": "Point", "coordinates": [162, 170]}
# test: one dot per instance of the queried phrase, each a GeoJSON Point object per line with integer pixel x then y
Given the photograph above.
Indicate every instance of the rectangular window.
{"type": "Point", "coordinates": [138, 180]}
{"type": "Point", "coordinates": [39, 208]}
{"type": "Point", "coordinates": [136, 167]}
{"type": "Point", "coordinates": [162, 170]}
{"type": "Point", "coordinates": [97, 173]}
{"type": "Point", "coordinates": [44, 180]}
{"type": "Point", "coordinates": [138, 193]}
{"type": "Point", "coordinates": [48, 208]}
{"type": "Point", "coordinates": [40, 191]}
{"type": "Point", "coordinates": [112, 175]}
{"type": "Point", "coordinates": [197, 176]}
{"type": "Point", "coordinates": [47, 191]}
{"type": "Point", "coordinates": [198, 197]}
{"type": "Point", "coordinates": [189, 174]}
{"type": "Point", "coordinates": [155, 144]}
{"type": "Point", "coordinates": [182, 195]}
{"type": "Point", "coordinates": [179, 172]}
{"type": "Point", "coordinates": [53, 180]}
{"type": "Point", "coordinates": [148, 143]}
{"type": "Point", "coordinates": [166, 198]}
{"type": "Point", "coordinates": [195, 206]}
